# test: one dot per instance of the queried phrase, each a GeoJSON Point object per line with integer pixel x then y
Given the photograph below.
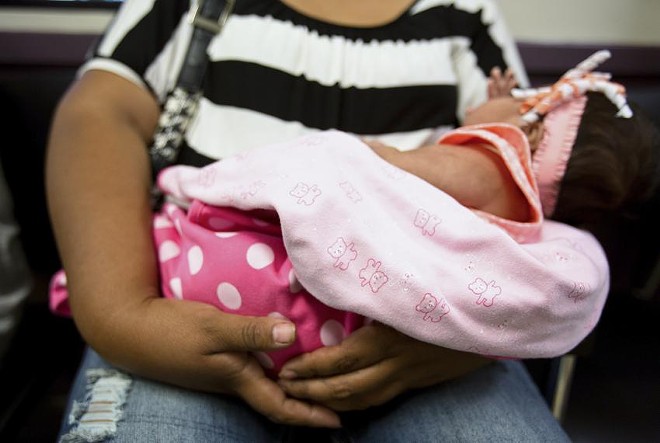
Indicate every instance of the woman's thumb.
{"type": "Point", "coordinates": [257, 333]}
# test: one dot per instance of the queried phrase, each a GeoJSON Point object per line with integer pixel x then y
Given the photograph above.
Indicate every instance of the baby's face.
{"type": "Point", "coordinates": [497, 110]}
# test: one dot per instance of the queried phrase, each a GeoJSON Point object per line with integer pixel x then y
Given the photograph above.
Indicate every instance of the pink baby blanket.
{"type": "Point", "coordinates": [366, 237]}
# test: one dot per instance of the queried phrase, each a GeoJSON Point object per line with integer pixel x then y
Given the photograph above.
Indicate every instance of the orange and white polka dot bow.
{"type": "Point", "coordinates": [576, 82]}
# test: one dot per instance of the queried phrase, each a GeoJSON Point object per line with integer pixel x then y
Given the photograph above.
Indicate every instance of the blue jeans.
{"type": "Point", "coordinates": [498, 403]}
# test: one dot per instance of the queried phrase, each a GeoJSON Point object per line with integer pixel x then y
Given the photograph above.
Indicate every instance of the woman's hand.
{"type": "Point", "coordinates": [196, 346]}
{"type": "Point", "coordinates": [372, 366]}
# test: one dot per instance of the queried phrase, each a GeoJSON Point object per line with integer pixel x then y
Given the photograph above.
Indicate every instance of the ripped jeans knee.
{"type": "Point", "coordinates": [95, 417]}
{"type": "Point", "coordinates": [111, 405]}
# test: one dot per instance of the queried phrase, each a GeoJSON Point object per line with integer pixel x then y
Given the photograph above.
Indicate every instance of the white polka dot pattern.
{"type": "Point", "coordinates": [260, 255]}
{"type": "Point", "coordinates": [176, 288]}
{"type": "Point", "coordinates": [162, 223]}
{"type": "Point", "coordinates": [195, 259]}
{"type": "Point", "coordinates": [332, 333]}
{"type": "Point", "coordinates": [226, 234]}
{"type": "Point", "coordinates": [229, 296]}
{"type": "Point", "coordinates": [168, 250]}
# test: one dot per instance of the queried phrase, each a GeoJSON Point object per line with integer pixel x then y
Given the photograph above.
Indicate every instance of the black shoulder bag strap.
{"type": "Point", "coordinates": [208, 18]}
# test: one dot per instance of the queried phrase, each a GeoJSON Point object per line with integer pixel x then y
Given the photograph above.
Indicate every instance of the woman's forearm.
{"type": "Point", "coordinates": [97, 177]}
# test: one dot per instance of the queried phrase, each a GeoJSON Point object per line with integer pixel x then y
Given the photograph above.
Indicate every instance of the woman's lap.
{"type": "Point", "coordinates": [496, 403]}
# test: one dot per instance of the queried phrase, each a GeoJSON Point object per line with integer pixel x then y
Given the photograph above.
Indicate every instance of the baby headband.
{"type": "Point", "coordinates": [562, 105]}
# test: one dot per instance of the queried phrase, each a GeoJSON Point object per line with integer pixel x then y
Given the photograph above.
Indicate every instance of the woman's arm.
{"type": "Point", "coordinates": [97, 177]}
{"type": "Point", "coordinates": [98, 181]}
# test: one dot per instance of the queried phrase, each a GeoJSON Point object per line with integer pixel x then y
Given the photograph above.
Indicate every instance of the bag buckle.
{"type": "Point", "coordinates": [212, 26]}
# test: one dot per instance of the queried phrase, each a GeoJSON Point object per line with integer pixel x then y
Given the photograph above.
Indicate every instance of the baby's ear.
{"type": "Point", "coordinates": [534, 132]}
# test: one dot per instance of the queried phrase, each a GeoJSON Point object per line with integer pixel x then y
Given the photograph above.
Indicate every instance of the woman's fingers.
{"type": "Point", "coordinates": [363, 348]}
{"type": "Point", "coordinates": [371, 367]}
{"type": "Point", "coordinates": [267, 398]}
{"type": "Point", "coordinates": [360, 372]}
{"type": "Point", "coordinates": [361, 389]}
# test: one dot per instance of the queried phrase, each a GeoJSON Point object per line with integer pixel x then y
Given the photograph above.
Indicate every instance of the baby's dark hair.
{"type": "Point", "coordinates": [614, 167]}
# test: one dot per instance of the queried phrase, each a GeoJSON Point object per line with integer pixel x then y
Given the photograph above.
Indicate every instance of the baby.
{"type": "Point", "coordinates": [258, 236]}
{"type": "Point", "coordinates": [590, 154]}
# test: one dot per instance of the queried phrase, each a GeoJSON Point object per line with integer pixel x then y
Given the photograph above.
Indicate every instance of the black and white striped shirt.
{"type": "Point", "coordinates": [275, 74]}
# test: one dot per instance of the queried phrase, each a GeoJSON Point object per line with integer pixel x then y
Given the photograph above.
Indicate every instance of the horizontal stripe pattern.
{"type": "Point", "coordinates": [274, 73]}
{"type": "Point", "coordinates": [220, 131]}
{"type": "Point", "coordinates": [362, 111]}
{"type": "Point", "coordinates": [331, 60]}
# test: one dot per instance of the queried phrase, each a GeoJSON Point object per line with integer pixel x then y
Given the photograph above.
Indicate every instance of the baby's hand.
{"type": "Point", "coordinates": [500, 85]}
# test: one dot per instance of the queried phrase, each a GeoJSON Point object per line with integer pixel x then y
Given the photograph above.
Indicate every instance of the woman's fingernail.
{"type": "Point", "coordinates": [284, 333]}
{"type": "Point", "coordinates": [287, 374]}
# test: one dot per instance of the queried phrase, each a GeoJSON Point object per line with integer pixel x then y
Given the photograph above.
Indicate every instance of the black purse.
{"type": "Point", "coordinates": [208, 19]}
